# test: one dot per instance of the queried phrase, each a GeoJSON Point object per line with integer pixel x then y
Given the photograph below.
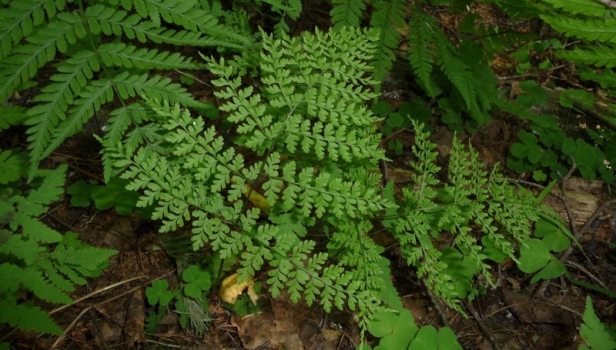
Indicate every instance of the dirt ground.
{"type": "Point", "coordinates": [111, 311]}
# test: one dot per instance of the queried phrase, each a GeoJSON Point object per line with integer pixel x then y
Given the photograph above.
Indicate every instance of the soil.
{"type": "Point", "coordinates": [111, 311]}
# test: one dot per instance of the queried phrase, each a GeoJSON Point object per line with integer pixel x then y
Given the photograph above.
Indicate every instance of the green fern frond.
{"type": "Point", "coordinates": [457, 72]}
{"type": "Point", "coordinates": [347, 12]}
{"type": "Point", "coordinates": [386, 17]}
{"type": "Point", "coordinates": [90, 100]}
{"type": "Point", "coordinates": [601, 30]}
{"type": "Point", "coordinates": [19, 20]}
{"type": "Point", "coordinates": [129, 56]}
{"type": "Point", "coordinates": [10, 116]}
{"type": "Point", "coordinates": [590, 8]}
{"type": "Point", "coordinates": [27, 317]}
{"type": "Point", "coordinates": [117, 125]}
{"type": "Point", "coordinates": [198, 177]}
{"type": "Point", "coordinates": [156, 87]}
{"type": "Point", "coordinates": [25, 61]}
{"type": "Point", "coordinates": [110, 21]}
{"type": "Point", "coordinates": [421, 51]}
{"type": "Point", "coordinates": [600, 56]}
{"type": "Point", "coordinates": [471, 198]}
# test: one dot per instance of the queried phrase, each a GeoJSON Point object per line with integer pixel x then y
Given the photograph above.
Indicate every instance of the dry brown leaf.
{"type": "Point", "coordinates": [230, 290]}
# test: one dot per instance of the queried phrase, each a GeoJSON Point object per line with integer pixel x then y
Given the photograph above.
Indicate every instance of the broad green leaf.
{"type": "Point", "coordinates": [553, 269]}
{"type": "Point", "coordinates": [533, 256]}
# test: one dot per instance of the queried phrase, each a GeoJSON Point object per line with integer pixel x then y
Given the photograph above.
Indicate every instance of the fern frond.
{"type": "Point", "coordinates": [601, 30]}
{"type": "Point", "coordinates": [197, 177]}
{"type": "Point", "coordinates": [387, 16]}
{"type": "Point", "coordinates": [10, 116]}
{"type": "Point", "coordinates": [457, 72]}
{"type": "Point", "coordinates": [129, 56]}
{"type": "Point", "coordinates": [117, 125]}
{"type": "Point", "coordinates": [110, 21]}
{"type": "Point", "coordinates": [90, 100]}
{"type": "Point", "coordinates": [186, 14]}
{"type": "Point", "coordinates": [590, 8]}
{"type": "Point", "coordinates": [19, 20]}
{"type": "Point", "coordinates": [27, 317]}
{"type": "Point", "coordinates": [421, 51]}
{"type": "Point", "coordinates": [25, 60]}
{"type": "Point", "coordinates": [156, 87]}
{"type": "Point", "coordinates": [347, 12]}
{"type": "Point", "coordinates": [44, 118]}
{"type": "Point", "coordinates": [600, 56]}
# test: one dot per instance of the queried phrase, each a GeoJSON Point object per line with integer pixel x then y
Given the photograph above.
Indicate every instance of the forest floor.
{"type": "Point", "coordinates": [111, 311]}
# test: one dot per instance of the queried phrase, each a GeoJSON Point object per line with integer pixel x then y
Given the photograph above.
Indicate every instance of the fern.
{"type": "Point", "coordinates": [603, 30]}
{"type": "Point", "coordinates": [421, 54]}
{"type": "Point", "coordinates": [93, 73]}
{"type": "Point", "coordinates": [591, 8]}
{"type": "Point", "coordinates": [472, 197]}
{"type": "Point", "coordinates": [387, 17]}
{"type": "Point", "coordinates": [600, 56]}
{"type": "Point", "coordinates": [430, 48]}
{"type": "Point", "coordinates": [318, 150]}
{"type": "Point", "coordinates": [347, 12]}
{"type": "Point", "coordinates": [594, 332]}
{"type": "Point", "coordinates": [36, 258]}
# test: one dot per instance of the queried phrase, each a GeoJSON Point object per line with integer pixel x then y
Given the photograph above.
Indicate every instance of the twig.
{"type": "Point", "coordinates": [166, 345]}
{"type": "Point", "coordinates": [435, 303]}
{"type": "Point", "coordinates": [95, 293]}
{"type": "Point", "coordinates": [588, 273]}
{"type": "Point", "coordinates": [72, 324]}
{"type": "Point", "coordinates": [482, 326]}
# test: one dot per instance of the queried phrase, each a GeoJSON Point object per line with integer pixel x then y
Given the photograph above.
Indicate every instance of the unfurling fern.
{"type": "Point", "coordinates": [95, 68]}
{"type": "Point", "coordinates": [317, 153]}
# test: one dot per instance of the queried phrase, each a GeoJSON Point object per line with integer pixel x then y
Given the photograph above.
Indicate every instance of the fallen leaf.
{"type": "Point", "coordinates": [230, 290]}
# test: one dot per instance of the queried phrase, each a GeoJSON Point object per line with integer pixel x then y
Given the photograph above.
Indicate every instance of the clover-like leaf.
{"type": "Point", "coordinates": [159, 293]}
{"type": "Point", "coordinates": [534, 255]}
{"type": "Point", "coordinates": [81, 192]}
{"type": "Point", "coordinates": [396, 330]}
{"type": "Point", "coordinates": [197, 281]}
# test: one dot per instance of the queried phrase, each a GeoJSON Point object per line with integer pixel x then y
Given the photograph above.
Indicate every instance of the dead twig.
{"type": "Point", "coordinates": [95, 293]}
{"type": "Point", "coordinates": [435, 303]}
{"type": "Point", "coordinates": [94, 306]}
{"type": "Point", "coordinates": [482, 326]}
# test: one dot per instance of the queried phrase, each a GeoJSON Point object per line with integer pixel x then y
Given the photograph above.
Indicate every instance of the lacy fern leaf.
{"type": "Point", "coordinates": [471, 197]}
{"type": "Point", "coordinates": [313, 89]}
